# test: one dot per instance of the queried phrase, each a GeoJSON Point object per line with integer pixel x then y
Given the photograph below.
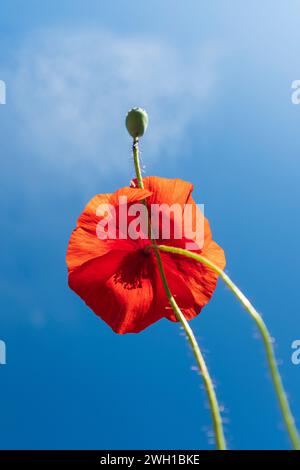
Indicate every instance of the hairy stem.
{"type": "Point", "coordinates": [136, 160]}
{"type": "Point", "coordinates": [266, 337]}
{"type": "Point", "coordinates": [213, 403]}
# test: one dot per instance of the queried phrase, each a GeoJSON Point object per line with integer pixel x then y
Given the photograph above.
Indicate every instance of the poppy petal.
{"type": "Point", "coordinates": [114, 287]}
{"type": "Point", "coordinates": [176, 282]}
{"type": "Point", "coordinates": [89, 218]}
{"type": "Point", "coordinates": [132, 195]}
{"type": "Point", "coordinates": [84, 246]}
{"type": "Point", "coordinates": [167, 191]}
{"type": "Point", "coordinates": [200, 279]}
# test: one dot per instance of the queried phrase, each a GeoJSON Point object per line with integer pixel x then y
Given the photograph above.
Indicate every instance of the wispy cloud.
{"type": "Point", "coordinates": [72, 89]}
{"type": "Point", "coordinates": [69, 92]}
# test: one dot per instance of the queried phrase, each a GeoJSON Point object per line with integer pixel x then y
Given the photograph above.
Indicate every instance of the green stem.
{"type": "Point", "coordinates": [136, 159]}
{"type": "Point", "coordinates": [267, 340]}
{"type": "Point", "coordinates": [214, 407]}
{"type": "Point", "coordinates": [213, 403]}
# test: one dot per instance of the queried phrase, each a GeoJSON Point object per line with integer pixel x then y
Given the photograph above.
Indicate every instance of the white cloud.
{"type": "Point", "coordinates": [72, 89]}
{"type": "Point", "coordinates": [69, 92]}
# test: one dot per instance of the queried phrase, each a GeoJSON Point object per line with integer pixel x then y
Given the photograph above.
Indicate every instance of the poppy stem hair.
{"type": "Point", "coordinates": [213, 403]}
{"type": "Point", "coordinates": [136, 160]}
{"type": "Point", "coordinates": [266, 337]}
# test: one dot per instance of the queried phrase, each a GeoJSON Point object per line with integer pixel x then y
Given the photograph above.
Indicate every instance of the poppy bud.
{"type": "Point", "coordinates": [136, 122]}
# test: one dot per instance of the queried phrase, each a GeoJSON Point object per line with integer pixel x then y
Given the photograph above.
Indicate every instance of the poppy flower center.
{"type": "Point", "coordinates": [146, 250]}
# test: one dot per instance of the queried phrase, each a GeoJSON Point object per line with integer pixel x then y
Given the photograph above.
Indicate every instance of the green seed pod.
{"type": "Point", "coordinates": [136, 122]}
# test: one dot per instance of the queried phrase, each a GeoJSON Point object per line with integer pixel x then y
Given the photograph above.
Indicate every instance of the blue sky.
{"type": "Point", "coordinates": [215, 78]}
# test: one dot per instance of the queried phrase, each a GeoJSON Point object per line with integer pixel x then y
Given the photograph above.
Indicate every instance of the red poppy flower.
{"type": "Point", "coordinates": [119, 279]}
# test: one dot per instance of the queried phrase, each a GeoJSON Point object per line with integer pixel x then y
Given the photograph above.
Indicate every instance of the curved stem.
{"type": "Point", "coordinates": [213, 403]}
{"type": "Point", "coordinates": [267, 340]}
